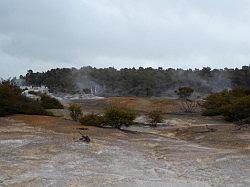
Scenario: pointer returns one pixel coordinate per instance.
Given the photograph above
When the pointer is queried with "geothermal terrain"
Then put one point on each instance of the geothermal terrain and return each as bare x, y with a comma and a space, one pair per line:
46, 151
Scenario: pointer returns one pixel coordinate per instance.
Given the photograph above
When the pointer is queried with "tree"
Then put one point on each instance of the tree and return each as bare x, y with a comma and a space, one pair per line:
238, 110
234, 105
155, 117
138, 82
75, 111
206, 72
187, 105
117, 117
184, 92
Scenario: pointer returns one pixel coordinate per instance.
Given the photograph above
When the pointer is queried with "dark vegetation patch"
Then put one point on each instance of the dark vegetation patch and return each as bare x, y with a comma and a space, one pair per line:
138, 82
75, 112
188, 105
92, 120
184, 92
155, 117
234, 105
13, 102
113, 117
50, 102
117, 117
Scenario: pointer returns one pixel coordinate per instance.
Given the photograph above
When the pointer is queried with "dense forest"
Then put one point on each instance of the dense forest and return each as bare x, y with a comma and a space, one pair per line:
138, 82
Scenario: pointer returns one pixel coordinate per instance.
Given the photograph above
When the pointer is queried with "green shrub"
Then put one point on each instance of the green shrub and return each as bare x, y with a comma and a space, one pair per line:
116, 117
50, 102
13, 102
238, 110
75, 112
92, 119
240, 92
184, 92
32, 108
155, 117
216, 102
234, 105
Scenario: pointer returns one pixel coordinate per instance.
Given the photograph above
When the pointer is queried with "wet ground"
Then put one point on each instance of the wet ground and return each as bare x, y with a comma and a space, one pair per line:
44, 151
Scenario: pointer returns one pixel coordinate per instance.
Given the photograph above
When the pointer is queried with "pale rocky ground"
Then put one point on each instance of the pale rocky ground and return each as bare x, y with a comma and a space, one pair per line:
43, 151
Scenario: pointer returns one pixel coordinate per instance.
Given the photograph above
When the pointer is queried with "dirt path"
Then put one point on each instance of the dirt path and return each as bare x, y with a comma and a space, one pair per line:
41, 151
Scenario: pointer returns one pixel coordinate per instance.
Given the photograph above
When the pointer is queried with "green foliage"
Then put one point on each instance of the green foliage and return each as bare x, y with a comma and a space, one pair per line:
117, 117
92, 120
32, 108
50, 102
238, 110
187, 105
57, 80
215, 102
114, 117
138, 82
184, 92
13, 102
155, 117
75, 112
233, 104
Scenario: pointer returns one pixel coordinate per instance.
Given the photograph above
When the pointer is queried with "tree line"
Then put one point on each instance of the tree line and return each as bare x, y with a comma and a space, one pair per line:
138, 82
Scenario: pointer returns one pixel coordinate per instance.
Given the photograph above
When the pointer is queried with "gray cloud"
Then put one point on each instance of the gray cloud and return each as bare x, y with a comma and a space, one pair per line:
43, 34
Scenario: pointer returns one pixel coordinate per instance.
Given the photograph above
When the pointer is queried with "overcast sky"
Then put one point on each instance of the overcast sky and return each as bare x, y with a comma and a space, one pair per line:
44, 34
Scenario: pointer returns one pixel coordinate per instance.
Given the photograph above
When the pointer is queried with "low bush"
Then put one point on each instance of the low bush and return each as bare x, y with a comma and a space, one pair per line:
50, 102
215, 102
112, 117
117, 117
75, 112
238, 110
13, 102
234, 105
155, 117
32, 108
92, 120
